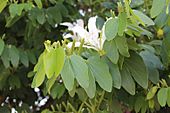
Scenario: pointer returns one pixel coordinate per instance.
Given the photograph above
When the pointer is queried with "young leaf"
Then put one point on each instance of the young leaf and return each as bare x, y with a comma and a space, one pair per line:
111, 51
127, 81
38, 3
122, 46
3, 4
122, 23
50, 83
67, 75
80, 70
53, 61
14, 56
157, 7
100, 70
2, 45
111, 28
168, 97
146, 20
40, 73
162, 96
152, 92
49, 60
137, 69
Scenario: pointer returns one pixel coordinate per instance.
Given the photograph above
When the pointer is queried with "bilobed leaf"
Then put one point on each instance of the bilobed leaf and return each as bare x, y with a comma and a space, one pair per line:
111, 51
168, 97
57, 90
53, 15
31, 57
114, 70
40, 16
53, 61
50, 82
157, 7
14, 81
146, 20
67, 75
2, 45
127, 81
122, 23
80, 70
139, 103
49, 63
14, 56
122, 46
38, 3
60, 56
16, 9
111, 28
24, 58
100, 70
91, 90
162, 96
152, 92
40, 73
3, 4
5, 57
137, 69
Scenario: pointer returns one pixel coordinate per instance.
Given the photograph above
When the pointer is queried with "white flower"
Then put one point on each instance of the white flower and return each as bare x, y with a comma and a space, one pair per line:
90, 36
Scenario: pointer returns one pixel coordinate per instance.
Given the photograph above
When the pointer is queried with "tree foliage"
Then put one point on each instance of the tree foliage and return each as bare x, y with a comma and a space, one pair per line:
69, 56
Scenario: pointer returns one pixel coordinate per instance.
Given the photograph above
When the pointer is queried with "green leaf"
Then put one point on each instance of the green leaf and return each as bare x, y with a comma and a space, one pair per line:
57, 91
122, 46
151, 92
24, 58
38, 3
139, 103
122, 23
50, 83
137, 69
81, 94
5, 57
53, 61
14, 56
53, 15
91, 90
100, 70
16, 9
3, 4
114, 70
146, 20
157, 7
67, 75
2, 45
111, 51
111, 28
162, 96
40, 73
168, 97
80, 70
14, 81
40, 16
127, 81
31, 57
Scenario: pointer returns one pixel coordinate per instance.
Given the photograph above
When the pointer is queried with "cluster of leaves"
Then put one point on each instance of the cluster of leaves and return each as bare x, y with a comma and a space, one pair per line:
128, 72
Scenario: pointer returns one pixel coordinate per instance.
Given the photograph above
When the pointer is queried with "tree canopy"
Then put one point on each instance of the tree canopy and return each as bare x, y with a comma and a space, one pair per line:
84, 56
